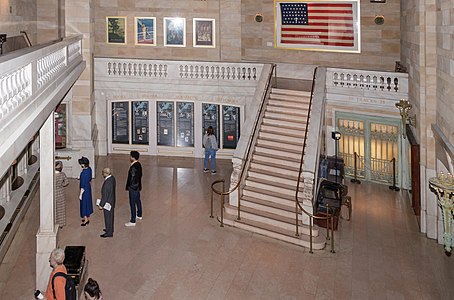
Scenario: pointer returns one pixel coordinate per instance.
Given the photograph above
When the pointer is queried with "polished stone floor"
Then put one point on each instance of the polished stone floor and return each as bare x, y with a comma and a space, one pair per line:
178, 252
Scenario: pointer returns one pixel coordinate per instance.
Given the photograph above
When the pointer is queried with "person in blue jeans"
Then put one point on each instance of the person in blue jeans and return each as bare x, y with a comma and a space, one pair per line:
134, 186
211, 146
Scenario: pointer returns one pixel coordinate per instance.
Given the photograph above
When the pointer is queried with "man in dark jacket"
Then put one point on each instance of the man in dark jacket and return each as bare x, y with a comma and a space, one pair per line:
134, 186
107, 202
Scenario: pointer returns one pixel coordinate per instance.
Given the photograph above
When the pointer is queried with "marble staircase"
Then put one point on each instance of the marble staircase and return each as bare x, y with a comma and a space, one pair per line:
268, 197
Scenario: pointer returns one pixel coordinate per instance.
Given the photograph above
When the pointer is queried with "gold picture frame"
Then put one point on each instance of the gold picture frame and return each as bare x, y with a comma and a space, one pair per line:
116, 30
145, 31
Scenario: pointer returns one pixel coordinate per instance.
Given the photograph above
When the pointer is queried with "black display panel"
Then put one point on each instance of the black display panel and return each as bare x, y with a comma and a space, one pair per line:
140, 130
185, 124
231, 126
210, 117
165, 116
120, 122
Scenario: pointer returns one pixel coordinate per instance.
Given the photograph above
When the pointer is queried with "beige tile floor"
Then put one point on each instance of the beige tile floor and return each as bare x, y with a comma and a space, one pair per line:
177, 252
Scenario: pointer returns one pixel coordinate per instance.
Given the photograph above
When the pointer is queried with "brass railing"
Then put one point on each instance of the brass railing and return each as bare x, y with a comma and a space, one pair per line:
329, 217
250, 143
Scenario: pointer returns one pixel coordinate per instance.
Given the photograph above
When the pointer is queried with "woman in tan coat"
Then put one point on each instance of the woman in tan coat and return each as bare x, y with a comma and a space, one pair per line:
60, 204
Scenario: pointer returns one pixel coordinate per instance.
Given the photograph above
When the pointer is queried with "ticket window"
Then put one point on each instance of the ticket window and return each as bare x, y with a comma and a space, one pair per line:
60, 115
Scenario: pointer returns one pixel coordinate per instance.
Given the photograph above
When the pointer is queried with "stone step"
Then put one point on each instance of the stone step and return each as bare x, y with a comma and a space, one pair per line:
273, 151
286, 117
272, 176
295, 124
270, 186
318, 242
294, 111
271, 197
269, 206
290, 98
290, 104
281, 137
267, 166
277, 161
290, 92
279, 144
280, 130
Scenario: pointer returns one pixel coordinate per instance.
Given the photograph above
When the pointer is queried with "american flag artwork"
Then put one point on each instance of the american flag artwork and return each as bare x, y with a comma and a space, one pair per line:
318, 25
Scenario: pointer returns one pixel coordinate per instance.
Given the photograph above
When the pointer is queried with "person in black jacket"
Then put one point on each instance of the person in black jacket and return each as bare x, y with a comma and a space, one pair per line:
107, 202
134, 186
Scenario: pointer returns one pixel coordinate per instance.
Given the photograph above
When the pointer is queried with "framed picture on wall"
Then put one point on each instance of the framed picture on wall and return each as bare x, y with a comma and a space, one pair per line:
116, 30
175, 32
145, 31
203, 33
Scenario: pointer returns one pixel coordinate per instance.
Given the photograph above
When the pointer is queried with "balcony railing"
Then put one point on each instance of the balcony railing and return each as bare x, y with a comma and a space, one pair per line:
25, 73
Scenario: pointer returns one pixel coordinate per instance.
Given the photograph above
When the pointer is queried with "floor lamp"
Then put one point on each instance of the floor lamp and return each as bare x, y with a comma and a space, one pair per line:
336, 136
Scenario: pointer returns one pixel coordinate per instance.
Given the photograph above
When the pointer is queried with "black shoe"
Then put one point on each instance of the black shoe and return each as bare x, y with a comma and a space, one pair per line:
105, 236
85, 224
104, 230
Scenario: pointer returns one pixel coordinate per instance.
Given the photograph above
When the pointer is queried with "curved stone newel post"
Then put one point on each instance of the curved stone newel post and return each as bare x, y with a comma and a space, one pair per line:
443, 187
237, 162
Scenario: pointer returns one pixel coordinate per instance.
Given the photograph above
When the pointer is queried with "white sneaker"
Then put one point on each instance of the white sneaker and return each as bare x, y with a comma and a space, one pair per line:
130, 224
139, 218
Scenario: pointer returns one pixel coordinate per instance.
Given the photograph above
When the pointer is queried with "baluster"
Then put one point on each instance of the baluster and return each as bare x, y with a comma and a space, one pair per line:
368, 82
228, 72
217, 72
249, 73
129, 69
396, 82
196, 71
160, 70
349, 77
207, 72
335, 79
388, 81
355, 80
342, 79
134, 66
186, 68
191, 71
222, 72
254, 70
233, 73
108, 68
201, 72
145, 66
155, 70
165, 70
361, 81
212, 72
382, 83
181, 71
243, 70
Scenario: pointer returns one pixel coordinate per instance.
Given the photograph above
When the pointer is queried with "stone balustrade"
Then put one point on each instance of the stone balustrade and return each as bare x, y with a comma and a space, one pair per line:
178, 70
385, 82
28, 72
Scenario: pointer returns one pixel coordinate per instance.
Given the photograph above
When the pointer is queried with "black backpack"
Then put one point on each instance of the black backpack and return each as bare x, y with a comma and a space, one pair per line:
70, 287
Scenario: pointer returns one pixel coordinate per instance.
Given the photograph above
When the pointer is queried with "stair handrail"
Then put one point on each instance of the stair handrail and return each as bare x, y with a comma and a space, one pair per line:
247, 156
329, 216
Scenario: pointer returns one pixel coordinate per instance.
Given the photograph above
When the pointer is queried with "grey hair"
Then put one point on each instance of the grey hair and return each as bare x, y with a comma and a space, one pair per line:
58, 255
107, 171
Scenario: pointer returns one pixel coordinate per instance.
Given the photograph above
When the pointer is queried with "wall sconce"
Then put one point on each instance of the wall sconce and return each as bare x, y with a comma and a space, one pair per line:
404, 106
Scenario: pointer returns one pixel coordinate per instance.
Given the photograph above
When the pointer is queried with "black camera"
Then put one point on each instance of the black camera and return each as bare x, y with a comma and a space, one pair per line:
2, 38
39, 295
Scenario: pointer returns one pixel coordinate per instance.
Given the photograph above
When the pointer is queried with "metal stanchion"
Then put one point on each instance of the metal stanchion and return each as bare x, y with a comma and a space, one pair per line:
355, 180
394, 187
211, 215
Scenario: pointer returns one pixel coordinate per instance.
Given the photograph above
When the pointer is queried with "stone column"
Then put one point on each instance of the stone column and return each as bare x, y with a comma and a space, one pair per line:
46, 238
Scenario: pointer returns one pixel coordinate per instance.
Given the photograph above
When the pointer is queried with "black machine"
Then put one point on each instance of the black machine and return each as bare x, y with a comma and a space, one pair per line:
75, 263
333, 195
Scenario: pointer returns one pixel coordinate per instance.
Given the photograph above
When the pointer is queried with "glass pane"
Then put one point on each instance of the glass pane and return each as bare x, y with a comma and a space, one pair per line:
351, 142
60, 126
185, 124
210, 117
120, 122
231, 126
383, 149
140, 122
165, 116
